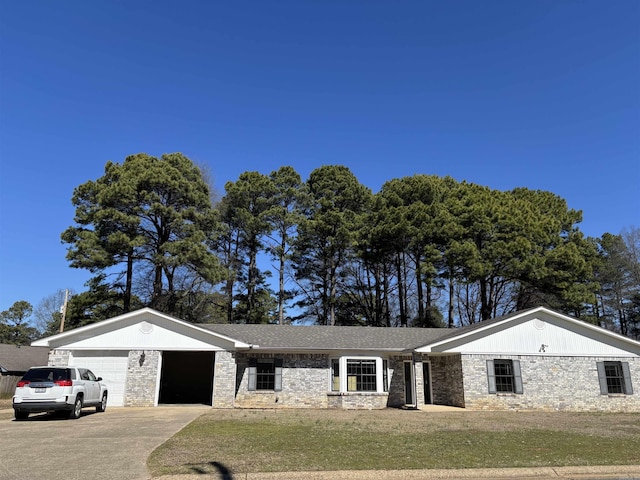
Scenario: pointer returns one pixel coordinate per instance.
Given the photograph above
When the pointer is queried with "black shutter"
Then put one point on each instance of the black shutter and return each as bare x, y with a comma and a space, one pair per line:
602, 378
628, 388
278, 374
517, 376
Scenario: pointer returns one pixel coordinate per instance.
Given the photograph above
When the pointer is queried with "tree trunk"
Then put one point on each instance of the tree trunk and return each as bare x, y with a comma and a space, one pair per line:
401, 291
281, 284
128, 282
451, 293
157, 286
485, 308
421, 316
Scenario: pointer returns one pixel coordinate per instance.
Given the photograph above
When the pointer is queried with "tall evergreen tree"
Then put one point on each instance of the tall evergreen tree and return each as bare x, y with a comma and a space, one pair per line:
284, 215
325, 242
618, 285
147, 210
247, 206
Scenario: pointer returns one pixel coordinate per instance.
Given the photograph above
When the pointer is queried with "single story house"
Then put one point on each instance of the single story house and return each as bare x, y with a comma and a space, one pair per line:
536, 359
15, 360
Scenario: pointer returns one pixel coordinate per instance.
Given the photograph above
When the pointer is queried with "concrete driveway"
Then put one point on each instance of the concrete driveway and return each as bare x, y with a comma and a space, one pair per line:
97, 446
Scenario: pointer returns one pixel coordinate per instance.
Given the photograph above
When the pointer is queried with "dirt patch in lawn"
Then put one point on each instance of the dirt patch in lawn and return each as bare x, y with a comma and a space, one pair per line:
286, 440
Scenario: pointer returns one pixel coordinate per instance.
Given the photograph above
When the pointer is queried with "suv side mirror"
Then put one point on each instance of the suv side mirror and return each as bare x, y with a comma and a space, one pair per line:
99, 379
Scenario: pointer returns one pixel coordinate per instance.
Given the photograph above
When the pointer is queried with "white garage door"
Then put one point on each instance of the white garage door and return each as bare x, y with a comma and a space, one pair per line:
111, 366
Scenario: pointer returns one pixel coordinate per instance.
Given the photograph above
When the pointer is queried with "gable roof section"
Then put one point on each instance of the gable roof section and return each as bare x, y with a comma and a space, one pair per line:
526, 332
535, 331
15, 358
141, 329
319, 337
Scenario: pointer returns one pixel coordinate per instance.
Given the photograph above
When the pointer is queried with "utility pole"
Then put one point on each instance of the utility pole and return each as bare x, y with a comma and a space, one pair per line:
64, 310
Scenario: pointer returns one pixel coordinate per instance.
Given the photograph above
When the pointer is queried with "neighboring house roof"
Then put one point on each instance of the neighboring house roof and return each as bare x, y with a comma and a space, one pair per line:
14, 358
315, 337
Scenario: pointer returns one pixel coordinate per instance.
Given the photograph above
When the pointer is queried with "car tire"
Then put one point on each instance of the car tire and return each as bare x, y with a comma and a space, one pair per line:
21, 415
102, 406
77, 408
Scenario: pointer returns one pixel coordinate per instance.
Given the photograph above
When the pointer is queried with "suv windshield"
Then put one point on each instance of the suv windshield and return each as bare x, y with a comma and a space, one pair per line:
47, 374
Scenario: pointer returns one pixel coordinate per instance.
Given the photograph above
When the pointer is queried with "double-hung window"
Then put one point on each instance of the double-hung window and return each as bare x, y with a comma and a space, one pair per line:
265, 374
353, 374
504, 376
614, 378
361, 375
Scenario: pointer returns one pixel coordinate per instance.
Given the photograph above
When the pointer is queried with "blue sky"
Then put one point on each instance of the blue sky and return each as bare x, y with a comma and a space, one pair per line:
541, 94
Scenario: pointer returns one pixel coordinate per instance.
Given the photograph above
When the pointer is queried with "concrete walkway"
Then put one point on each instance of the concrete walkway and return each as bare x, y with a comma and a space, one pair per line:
542, 473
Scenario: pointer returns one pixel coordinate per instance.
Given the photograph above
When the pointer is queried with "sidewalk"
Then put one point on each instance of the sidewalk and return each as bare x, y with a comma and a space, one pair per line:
620, 472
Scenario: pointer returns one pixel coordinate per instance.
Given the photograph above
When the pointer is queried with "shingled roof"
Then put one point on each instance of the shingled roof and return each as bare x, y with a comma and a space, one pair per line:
315, 337
14, 358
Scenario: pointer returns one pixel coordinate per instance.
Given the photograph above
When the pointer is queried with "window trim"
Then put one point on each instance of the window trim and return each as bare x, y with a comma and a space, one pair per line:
335, 374
516, 376
381, 375
252, 376
625, 377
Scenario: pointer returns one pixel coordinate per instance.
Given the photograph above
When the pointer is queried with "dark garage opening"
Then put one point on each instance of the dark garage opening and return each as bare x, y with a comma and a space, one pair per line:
186, 377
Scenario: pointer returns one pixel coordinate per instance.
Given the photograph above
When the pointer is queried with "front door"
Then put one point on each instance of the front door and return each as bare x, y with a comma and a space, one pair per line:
409, 398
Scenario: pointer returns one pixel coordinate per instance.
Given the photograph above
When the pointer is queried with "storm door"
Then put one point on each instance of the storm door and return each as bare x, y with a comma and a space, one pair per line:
426, 373
409, 392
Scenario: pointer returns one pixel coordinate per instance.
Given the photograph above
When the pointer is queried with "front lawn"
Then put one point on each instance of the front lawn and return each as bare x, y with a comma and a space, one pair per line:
297, 440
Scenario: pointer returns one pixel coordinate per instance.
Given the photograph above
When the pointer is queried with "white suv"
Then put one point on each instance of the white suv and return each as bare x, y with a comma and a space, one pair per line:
58, 389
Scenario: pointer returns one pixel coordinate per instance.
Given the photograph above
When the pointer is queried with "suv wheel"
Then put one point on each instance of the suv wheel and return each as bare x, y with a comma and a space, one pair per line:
103, 403
77, 408
21, 415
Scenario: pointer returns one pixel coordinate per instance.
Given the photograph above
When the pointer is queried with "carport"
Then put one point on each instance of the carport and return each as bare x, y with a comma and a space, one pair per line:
186, 377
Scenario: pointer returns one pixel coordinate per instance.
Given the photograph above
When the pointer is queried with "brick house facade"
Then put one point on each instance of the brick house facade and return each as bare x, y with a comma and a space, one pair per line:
532, 360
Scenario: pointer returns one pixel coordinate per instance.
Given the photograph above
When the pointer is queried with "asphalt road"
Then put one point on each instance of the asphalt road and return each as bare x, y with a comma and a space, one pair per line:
113, 445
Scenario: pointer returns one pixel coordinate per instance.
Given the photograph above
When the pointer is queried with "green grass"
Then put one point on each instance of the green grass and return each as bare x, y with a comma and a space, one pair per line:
266, 441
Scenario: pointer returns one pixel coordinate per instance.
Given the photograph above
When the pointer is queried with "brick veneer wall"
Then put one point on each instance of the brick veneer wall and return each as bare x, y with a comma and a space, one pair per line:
305, 383
224, 380
446, 380
549, 383
396, 381
141, 382
357, 400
